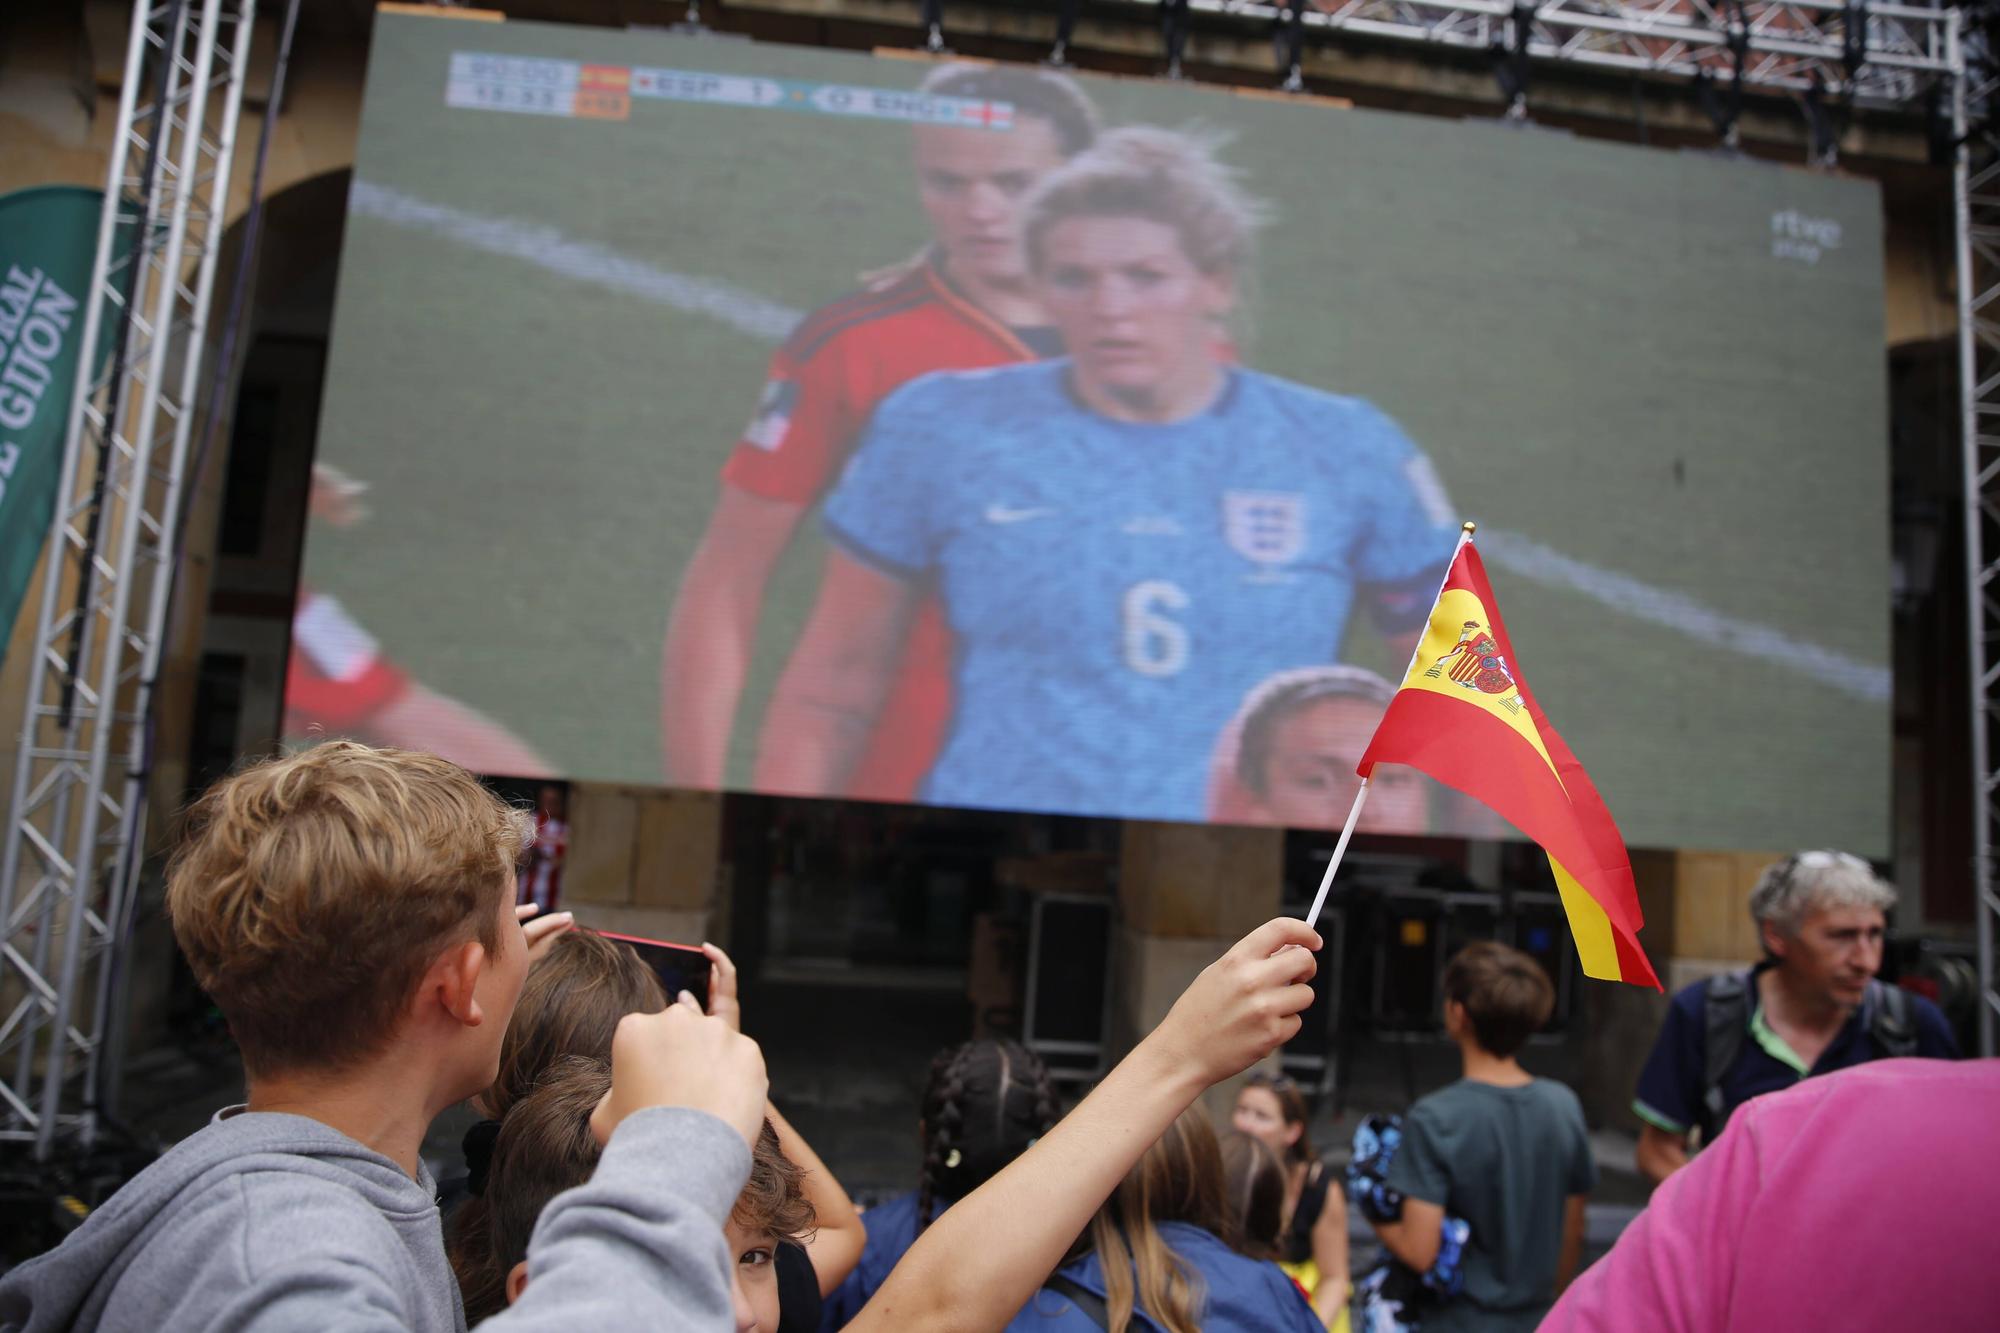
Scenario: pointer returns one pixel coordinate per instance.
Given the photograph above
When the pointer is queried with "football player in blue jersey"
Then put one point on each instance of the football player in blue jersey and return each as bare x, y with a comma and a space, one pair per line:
1125, 540
1289, 755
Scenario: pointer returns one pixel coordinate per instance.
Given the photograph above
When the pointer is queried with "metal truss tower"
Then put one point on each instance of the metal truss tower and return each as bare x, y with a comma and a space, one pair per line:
1786, 44
1978, 203
75, 828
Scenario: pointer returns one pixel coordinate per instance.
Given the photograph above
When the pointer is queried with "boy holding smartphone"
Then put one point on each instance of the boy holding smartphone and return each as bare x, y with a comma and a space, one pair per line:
351, 911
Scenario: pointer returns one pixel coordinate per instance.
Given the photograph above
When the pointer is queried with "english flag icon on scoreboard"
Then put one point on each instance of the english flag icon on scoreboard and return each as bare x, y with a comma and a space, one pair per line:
987, 115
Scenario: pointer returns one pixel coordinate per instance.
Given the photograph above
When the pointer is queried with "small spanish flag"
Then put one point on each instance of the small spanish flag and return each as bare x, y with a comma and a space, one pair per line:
1465, 716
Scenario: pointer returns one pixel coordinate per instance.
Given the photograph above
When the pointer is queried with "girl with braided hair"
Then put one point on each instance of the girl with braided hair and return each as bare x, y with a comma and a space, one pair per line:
985, 1103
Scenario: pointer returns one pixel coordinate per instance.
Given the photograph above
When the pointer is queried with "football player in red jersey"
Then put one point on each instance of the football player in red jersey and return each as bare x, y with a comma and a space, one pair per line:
338, 682
963, 305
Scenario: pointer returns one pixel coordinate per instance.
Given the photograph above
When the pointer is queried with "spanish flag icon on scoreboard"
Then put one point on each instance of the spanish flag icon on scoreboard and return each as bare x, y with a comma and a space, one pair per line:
1465, 716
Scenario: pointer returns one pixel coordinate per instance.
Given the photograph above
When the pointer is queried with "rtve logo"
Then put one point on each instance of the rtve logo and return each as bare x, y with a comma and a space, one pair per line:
1805, 239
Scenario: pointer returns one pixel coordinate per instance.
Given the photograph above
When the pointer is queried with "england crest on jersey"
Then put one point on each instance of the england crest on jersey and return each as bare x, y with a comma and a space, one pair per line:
1268, 527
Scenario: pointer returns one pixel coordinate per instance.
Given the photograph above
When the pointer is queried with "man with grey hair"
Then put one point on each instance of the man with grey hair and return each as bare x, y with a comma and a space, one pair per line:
1812, 1006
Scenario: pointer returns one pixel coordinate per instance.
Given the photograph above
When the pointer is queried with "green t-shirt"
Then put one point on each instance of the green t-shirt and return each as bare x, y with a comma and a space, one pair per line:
1505, 1160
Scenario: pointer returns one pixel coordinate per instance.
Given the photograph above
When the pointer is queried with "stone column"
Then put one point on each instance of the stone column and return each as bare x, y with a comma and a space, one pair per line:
1186, 892
644, 862
1697, 924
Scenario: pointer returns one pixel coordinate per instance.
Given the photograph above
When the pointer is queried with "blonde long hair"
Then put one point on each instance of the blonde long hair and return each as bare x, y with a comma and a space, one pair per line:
1178, 1180
1173, 177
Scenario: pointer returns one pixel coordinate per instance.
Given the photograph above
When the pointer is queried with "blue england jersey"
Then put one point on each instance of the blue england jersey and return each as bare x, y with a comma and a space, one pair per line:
1116, 588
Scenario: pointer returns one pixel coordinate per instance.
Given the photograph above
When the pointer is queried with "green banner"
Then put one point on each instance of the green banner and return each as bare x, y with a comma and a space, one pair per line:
48, 237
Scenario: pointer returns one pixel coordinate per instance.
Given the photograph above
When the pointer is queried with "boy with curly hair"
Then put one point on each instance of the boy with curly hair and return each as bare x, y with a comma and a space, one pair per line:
545, 1147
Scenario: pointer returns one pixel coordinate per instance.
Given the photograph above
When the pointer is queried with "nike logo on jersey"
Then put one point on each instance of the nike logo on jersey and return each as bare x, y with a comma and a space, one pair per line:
997, 513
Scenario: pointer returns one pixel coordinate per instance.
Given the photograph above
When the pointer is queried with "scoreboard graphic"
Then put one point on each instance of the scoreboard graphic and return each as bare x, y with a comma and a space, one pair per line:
538, 87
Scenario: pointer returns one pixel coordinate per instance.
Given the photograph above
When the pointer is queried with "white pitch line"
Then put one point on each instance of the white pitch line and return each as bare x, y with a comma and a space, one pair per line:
548, 248
770, 321
1676, 611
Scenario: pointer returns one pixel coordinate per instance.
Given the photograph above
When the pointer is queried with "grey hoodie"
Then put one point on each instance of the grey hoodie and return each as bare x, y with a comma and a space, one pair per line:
267, 1221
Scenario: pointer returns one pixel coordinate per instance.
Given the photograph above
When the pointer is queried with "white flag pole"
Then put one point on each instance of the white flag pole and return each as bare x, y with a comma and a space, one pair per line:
1339, 850
1361, 795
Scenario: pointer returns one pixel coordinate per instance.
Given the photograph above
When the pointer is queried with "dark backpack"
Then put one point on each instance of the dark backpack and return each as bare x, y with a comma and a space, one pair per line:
1726, 1011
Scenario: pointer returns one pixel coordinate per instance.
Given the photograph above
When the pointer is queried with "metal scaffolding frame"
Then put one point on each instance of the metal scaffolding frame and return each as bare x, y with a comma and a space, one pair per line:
76, 825
1977, 200
1787, 44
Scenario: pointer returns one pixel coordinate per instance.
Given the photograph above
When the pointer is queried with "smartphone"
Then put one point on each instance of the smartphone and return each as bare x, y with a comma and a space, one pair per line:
680, 967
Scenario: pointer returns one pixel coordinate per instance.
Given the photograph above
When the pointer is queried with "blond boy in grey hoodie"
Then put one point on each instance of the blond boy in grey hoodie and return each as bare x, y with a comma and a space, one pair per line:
351, 912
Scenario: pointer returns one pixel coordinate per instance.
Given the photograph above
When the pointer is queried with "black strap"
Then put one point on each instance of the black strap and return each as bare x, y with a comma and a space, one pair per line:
1892, 1025
1082, 1297
1892, 1020
1726, 1018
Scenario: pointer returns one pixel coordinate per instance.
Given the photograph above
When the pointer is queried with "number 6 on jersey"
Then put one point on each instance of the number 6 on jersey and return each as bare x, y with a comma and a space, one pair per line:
1155, 644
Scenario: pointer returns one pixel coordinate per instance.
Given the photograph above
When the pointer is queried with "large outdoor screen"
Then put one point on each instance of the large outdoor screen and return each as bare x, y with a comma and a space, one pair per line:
726, 415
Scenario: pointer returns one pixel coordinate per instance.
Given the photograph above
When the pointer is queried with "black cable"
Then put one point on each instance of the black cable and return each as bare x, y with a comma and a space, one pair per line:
253, 226
1739, 58
1173, 33
1510, 58
1291, 37
1066, 15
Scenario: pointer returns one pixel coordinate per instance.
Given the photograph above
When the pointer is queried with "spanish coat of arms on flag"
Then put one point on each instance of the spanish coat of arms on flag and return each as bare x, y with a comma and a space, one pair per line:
1465, 715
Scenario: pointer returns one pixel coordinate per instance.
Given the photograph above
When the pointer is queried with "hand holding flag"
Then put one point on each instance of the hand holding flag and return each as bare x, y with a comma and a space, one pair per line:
1465, 715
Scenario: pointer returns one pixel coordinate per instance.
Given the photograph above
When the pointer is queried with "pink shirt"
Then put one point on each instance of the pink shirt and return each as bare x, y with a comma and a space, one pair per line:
1866, 1198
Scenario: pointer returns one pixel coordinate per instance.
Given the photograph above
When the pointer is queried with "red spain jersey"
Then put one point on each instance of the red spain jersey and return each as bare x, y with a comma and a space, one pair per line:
336, 677
824, 384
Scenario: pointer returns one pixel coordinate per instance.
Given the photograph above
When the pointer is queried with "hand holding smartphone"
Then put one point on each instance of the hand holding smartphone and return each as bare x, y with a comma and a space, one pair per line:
680, 967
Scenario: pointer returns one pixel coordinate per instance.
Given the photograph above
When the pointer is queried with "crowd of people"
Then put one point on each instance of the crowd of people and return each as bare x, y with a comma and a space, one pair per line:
352, 911
1083, 557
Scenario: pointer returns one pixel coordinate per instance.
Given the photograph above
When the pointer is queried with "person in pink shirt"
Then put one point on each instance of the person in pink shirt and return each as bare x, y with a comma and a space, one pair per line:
1866, 1198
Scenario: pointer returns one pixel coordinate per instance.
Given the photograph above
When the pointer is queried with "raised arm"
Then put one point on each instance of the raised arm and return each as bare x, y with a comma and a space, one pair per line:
833, 688
712, 632
838, 1235
640, 1246
979, 1263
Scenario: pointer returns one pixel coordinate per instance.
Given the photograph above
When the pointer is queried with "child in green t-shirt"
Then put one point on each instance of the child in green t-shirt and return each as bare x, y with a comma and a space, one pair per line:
1500, 1148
